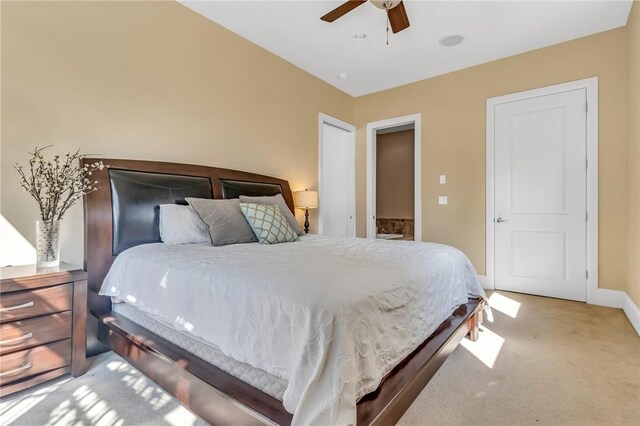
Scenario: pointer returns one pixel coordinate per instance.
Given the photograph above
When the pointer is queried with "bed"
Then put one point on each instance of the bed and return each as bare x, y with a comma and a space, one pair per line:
337, 331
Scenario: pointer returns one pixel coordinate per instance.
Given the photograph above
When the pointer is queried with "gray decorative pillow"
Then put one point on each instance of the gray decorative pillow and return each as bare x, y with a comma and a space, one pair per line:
268, 223
276, 200
182, 225
225, 220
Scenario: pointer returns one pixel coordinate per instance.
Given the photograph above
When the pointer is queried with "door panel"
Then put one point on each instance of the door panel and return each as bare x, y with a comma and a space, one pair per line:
540, 195
337, 198
537, 162
538, 254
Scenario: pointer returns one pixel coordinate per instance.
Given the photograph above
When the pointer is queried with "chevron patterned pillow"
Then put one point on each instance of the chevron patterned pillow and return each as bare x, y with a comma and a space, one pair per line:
268, 223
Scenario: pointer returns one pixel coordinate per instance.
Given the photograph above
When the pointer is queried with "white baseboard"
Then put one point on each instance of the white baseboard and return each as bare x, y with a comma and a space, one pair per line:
632, 311
484, 282
606, 297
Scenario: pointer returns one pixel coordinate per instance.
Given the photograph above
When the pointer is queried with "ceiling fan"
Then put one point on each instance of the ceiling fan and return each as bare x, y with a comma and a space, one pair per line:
396, 12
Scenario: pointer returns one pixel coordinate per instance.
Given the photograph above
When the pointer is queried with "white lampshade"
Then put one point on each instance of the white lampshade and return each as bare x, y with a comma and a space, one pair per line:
305, 199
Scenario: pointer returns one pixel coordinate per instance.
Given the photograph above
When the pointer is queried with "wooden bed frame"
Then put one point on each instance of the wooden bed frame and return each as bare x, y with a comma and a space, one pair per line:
211, 393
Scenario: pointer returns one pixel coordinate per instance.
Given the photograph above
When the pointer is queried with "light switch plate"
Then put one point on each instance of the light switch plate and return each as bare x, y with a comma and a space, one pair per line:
442, 200
443, 179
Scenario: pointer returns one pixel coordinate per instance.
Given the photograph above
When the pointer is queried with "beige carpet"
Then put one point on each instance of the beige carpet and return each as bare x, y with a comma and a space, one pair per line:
538, 361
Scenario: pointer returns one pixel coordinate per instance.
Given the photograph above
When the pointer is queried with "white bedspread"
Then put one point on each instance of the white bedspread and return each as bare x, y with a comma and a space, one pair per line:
332, 316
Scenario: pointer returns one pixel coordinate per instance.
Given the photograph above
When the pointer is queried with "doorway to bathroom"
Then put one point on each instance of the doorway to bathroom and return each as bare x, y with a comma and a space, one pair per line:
393, 179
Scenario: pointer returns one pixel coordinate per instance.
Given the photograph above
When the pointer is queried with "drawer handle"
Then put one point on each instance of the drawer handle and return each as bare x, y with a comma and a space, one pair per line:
17, 370
17, 339
13, 308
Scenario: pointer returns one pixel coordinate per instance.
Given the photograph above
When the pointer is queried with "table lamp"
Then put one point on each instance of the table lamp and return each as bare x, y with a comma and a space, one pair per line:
306, 200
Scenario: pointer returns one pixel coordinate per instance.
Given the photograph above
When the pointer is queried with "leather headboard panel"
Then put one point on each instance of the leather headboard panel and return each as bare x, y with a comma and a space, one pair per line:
136, 197
236, 188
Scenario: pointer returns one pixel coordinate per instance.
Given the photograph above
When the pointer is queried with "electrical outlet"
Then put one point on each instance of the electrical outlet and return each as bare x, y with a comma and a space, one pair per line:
443, 179
442, 200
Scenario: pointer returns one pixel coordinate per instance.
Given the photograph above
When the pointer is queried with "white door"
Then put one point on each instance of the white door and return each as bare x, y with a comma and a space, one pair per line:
337, 181
540, 195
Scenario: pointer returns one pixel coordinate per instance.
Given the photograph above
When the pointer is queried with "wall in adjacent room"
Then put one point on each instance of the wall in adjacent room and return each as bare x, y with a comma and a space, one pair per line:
146, 80
453, 140
394, 175
633, 154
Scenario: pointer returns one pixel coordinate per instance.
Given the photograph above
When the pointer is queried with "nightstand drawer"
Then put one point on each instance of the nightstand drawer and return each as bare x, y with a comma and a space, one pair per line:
18, 365
30, 303
18, 335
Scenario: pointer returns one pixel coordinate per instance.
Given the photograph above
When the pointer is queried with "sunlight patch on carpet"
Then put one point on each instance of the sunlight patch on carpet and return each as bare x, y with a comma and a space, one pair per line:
118, 366
14, 410
504, 304
95, 408
180, 417
486, 348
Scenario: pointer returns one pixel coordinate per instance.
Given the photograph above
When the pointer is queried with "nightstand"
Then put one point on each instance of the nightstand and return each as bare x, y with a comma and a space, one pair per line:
43, 313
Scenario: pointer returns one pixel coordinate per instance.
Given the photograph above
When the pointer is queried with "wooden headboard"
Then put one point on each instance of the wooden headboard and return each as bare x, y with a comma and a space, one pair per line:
99, 245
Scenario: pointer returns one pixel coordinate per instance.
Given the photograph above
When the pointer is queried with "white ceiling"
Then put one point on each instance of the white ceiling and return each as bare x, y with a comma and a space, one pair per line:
492, 30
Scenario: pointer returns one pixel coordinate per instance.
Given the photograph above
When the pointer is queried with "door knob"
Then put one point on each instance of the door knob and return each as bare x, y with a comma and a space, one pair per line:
501, 220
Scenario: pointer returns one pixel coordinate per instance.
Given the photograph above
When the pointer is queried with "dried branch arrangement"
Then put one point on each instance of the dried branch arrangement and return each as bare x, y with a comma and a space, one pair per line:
57, 184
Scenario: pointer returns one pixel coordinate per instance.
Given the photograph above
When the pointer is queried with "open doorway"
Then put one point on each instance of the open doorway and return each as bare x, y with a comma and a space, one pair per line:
393, 179
394, 183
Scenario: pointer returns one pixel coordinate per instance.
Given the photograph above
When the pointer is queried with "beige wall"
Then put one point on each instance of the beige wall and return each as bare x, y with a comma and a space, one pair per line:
157, 81
453, 140
149, 81
394, 175
633, 153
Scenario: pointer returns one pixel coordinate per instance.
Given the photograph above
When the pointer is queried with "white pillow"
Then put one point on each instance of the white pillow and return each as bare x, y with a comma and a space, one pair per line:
182, 225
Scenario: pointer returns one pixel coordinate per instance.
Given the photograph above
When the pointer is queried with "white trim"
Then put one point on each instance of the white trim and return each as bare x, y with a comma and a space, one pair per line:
594, 295
372, 128
402, 128
490, 196
484, 283
606, 297
327, 119
632, 311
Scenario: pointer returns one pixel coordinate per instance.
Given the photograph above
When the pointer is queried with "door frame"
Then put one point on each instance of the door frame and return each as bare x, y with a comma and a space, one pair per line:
594, 295
332, 121
372, 128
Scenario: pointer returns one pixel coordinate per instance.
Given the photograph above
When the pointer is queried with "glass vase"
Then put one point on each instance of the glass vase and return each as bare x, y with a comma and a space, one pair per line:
48, 243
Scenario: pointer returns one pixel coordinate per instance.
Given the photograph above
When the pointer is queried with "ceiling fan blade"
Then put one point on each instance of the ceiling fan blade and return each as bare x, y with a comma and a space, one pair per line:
343, 9
398, 18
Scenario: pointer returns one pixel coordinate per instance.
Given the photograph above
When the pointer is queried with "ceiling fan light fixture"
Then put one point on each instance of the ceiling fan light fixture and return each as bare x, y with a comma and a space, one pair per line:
396, 13
385, 4
452, 40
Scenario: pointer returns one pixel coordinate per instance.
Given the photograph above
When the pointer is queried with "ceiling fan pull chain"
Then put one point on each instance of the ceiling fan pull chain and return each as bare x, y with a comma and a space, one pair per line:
387, 9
